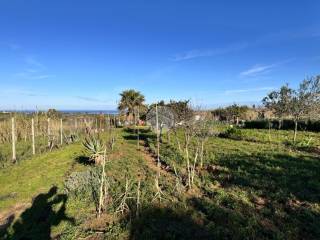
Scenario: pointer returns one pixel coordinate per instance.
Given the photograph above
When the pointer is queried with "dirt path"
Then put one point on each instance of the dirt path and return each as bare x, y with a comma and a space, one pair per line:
152, 162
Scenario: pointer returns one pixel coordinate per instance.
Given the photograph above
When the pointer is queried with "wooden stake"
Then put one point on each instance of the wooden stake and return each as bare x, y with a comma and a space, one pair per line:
61, 132
138, 200
138, 128
158, 140
49, 127
13, 132
32, 135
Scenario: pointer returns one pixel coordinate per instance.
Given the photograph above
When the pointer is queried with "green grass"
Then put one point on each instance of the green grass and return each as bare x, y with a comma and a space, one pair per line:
254, 188
21, 182
23, 150
260, 188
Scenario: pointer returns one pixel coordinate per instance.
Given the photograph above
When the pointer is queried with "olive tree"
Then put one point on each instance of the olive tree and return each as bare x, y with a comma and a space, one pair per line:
298, 104
305, 101
279, 102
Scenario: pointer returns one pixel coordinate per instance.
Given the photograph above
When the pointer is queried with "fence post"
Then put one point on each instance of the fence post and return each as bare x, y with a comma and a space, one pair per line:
138, 128
32, 135
158, 140
75, 124
48, 127
13, 132
61, 132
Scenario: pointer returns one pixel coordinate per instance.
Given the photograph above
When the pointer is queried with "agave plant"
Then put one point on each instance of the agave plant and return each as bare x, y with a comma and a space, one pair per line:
95, 148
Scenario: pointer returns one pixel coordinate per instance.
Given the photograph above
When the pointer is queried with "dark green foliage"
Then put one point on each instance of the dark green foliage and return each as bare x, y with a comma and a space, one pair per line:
230, 113
130, 101
287, 124
181, 109
232, 133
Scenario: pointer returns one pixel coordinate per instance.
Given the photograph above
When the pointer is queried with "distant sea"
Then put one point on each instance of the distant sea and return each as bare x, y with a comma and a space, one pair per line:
113, 112
90, 111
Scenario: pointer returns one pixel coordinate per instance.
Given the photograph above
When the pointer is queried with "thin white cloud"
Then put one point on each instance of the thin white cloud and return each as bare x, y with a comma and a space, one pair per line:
14, 46
208, 52
281, 36
90, 99
34, 63
260, 69
32, 76
42, 76
20, 92
235, 91
257, 69
34, 70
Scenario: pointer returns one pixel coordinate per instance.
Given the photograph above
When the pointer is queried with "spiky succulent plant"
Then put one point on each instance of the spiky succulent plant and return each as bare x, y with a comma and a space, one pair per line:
94, 148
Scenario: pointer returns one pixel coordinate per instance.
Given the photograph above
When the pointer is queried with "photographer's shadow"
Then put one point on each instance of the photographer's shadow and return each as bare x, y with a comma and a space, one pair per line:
36, 221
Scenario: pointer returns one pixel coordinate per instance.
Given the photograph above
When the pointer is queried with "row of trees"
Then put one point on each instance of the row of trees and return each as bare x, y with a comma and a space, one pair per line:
296, 104
132, 103
231, 113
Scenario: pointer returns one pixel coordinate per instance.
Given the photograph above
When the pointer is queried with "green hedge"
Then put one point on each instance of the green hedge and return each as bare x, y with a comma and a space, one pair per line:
287, 124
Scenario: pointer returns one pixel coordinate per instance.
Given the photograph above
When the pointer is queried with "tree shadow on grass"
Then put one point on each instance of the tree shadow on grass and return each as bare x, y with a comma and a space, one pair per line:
84, 160
273, 175
282, 188
144, 134
133, 130
167, 223
36, 221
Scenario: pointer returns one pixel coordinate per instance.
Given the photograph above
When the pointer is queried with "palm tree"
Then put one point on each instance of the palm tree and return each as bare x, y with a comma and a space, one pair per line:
130, 101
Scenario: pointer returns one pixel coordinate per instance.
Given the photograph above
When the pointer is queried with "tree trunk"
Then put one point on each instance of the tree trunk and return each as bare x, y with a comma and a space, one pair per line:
269, 123
138, 133
188, 166
201, 153
280, 122
295, 130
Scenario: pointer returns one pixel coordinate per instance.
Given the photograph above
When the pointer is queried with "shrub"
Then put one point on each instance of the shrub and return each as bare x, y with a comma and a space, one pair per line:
305, 143
232, 133
94, 148
287, 124
84, 184
259, 124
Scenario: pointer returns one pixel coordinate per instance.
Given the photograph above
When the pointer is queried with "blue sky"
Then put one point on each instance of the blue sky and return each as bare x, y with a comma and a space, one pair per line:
81, 54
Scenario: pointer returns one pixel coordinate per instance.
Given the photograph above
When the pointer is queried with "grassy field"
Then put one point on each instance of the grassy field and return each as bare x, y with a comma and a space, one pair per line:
23, 150
258, 187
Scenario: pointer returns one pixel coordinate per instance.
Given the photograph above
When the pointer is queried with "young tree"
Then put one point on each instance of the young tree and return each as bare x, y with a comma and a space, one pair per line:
279, 102
305, 101
130, 101
297, 104
232, 112
53, 113
182, 110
